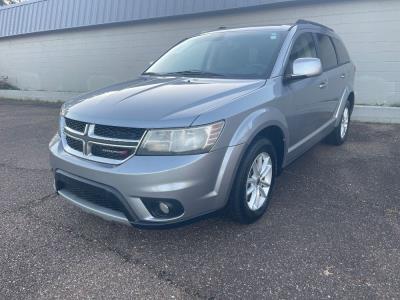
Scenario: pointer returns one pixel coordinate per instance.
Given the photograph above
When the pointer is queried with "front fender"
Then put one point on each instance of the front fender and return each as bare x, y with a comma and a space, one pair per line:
258, 120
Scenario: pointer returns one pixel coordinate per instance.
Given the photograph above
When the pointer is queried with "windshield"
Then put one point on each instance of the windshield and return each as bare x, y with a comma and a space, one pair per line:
238, 54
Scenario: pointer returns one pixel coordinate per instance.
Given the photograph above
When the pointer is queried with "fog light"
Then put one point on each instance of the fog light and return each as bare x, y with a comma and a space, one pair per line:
164, 208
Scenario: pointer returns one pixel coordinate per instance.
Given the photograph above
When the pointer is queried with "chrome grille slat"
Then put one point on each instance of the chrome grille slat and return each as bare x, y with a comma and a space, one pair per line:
108, 140
118, 133
122, 145
106, 149
75, 126
74, 143
73, 132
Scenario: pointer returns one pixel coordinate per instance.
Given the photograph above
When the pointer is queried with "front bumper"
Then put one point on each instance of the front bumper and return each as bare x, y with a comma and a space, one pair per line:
200, 183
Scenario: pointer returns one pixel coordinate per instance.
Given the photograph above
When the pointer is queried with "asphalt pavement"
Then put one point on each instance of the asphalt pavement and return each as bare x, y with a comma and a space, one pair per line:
332, 230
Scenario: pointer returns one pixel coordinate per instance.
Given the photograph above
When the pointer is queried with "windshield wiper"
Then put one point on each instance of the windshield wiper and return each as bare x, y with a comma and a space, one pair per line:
153, 73
193, 73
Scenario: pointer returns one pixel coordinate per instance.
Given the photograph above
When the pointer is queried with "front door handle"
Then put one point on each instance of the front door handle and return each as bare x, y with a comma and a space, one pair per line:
343, 76
323, 84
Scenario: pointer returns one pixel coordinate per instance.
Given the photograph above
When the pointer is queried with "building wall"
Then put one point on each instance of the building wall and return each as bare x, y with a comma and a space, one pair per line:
31, 16
85, 59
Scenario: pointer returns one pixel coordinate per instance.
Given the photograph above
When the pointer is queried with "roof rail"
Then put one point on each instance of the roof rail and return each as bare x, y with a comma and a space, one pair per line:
301, 21
213, 30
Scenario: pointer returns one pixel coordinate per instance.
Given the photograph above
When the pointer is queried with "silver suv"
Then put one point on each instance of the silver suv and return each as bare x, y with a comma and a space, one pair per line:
207, 126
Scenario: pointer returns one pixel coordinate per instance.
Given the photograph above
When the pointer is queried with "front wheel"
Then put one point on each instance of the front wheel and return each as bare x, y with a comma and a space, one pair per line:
254, 182
339, 135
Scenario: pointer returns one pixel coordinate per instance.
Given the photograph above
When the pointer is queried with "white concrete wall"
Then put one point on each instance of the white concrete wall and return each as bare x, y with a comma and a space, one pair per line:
77, 61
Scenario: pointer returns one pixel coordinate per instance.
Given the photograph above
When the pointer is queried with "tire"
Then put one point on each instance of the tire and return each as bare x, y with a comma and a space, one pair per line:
339, 135
245, 208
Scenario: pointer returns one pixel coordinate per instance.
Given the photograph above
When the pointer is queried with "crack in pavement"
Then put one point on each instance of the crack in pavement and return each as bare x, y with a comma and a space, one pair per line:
159, 274
126, 257
30, 204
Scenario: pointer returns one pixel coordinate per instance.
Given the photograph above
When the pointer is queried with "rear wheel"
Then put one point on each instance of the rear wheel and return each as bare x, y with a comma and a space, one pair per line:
254, 182
339, 135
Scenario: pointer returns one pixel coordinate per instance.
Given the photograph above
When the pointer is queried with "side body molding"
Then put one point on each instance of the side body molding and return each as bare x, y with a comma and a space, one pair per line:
341, 105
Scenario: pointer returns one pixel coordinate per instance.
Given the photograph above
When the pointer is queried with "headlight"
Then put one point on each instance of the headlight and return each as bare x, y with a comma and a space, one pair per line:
192, 140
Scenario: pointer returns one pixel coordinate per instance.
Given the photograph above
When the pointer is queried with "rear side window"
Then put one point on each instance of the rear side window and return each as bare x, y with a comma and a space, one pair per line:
326, 51
303, 47
341, 51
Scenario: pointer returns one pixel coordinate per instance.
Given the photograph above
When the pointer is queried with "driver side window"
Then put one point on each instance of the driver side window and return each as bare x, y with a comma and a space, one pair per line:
303, 47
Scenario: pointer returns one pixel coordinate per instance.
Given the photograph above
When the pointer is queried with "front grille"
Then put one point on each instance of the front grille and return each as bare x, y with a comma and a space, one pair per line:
111, 152
90, 193
75, 125
74, 143
114, 132
102, 143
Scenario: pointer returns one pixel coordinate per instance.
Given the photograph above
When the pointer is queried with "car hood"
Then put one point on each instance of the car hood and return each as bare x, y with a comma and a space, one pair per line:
157, 102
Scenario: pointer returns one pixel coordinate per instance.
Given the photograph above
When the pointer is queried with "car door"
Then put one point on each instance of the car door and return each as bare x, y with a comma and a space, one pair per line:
306, 95
335, 75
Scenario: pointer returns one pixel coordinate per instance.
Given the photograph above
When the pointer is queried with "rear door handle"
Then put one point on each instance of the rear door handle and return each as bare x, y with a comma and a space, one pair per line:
343, 76
323, 84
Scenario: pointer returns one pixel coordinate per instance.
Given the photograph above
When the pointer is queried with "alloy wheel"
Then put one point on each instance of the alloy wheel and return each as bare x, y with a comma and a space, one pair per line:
259, 181
345, 123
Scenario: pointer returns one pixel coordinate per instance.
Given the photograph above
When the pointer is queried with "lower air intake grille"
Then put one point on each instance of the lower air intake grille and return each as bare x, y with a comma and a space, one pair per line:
89, 193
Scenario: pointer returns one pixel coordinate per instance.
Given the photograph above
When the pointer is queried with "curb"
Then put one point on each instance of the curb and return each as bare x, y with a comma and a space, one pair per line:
376, 114
42, 96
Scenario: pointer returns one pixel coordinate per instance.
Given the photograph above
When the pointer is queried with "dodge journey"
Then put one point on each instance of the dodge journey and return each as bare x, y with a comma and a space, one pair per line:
208, 126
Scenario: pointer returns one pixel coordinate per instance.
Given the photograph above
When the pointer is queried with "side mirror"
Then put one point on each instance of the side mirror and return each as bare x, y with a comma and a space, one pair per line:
306, 67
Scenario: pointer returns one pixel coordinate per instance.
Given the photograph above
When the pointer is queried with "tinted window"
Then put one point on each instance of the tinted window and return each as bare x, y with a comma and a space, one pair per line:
303, 47
241, 54
327, 51
341, 51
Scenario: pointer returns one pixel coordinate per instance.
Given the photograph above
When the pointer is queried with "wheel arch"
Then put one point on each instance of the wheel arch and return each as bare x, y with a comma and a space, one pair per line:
351, 99
273, 131
268, 123
275, 134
